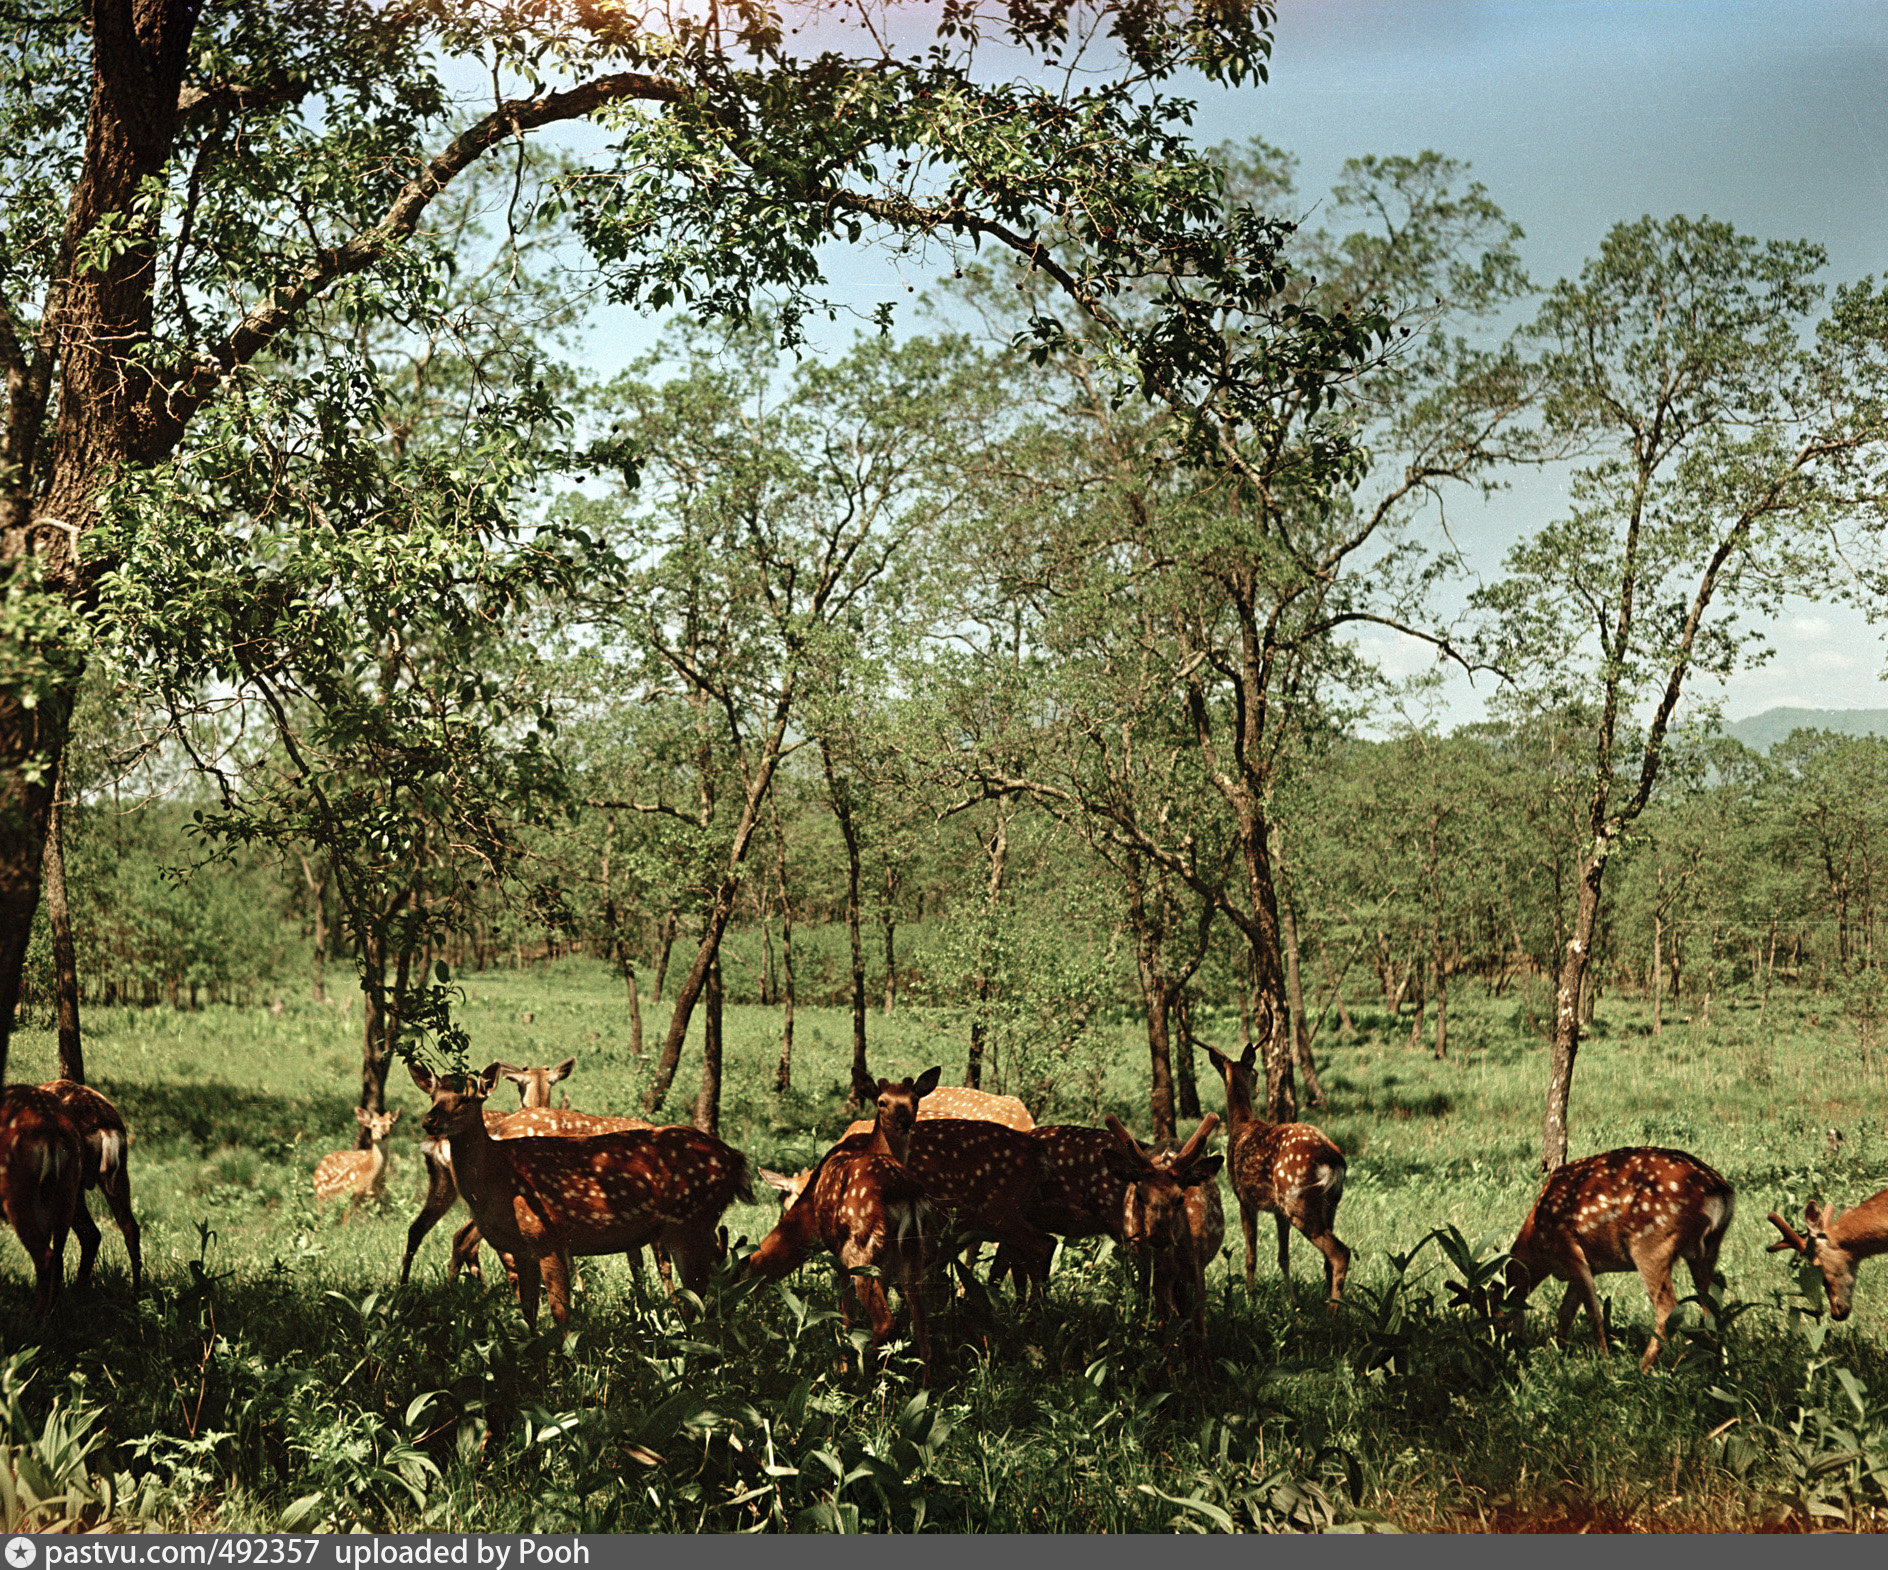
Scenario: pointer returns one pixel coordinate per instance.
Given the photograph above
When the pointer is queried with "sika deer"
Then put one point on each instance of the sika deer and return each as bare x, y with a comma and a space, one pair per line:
41, 1163
864, 1205
105, 1144
1290, 1169
357, 1172
1638, 1208
1836, 1242
543, 1200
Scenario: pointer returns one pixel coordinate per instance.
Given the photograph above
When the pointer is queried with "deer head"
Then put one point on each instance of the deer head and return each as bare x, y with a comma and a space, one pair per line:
378, 1124
1817, 1248
1154, 1208
898, 1110
458, 1100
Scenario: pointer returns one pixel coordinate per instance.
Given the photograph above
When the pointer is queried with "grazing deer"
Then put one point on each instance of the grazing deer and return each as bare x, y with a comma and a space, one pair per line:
1290, 1169
1836, 1242
1168, 1219
41, 1162
1639, 1209
357, 1172
541, 1201
972, 1106
863, 1204
106, 1142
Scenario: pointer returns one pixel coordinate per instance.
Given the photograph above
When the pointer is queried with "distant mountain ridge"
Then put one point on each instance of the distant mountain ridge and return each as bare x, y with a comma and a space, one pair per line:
1763, 731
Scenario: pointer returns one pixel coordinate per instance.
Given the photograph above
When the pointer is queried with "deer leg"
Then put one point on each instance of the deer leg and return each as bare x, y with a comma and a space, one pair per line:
441, 1192
1249, 1224
1655, 1270
528, 1279
117, 1192
87, 1228
1284, 1247
556, 1270
692, 1247
1587, 1293
465, 1253
911, 1284
1336, 1263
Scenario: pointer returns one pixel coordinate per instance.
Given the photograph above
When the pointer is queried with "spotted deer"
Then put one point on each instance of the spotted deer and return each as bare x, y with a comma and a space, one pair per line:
105, 1143
1638, 1208
1836, 1242
862, 1203
1166, 1219
541, 1200
41, 1166
358, 1173
1289, 1169
535, 1118
972, 1106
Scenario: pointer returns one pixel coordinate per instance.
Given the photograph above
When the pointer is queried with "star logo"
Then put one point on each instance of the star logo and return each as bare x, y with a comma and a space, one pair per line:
21, 1552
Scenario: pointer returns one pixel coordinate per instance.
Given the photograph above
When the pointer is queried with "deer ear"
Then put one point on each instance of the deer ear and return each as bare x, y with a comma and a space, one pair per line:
926, 1082
1203, 1170
1251, 1052
362, 1117
777, 1180
1129, 1165
395, 1118
422, 1077
562, 1071
1813, 1213
482, 1082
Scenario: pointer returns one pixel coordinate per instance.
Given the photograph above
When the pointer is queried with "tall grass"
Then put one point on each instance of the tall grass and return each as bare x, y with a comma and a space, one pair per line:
273, 1373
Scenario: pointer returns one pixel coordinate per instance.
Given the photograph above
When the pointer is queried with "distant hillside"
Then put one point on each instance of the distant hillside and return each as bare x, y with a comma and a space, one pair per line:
1763, 731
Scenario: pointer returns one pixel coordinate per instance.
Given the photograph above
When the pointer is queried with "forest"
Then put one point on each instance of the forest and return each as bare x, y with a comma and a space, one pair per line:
993, 679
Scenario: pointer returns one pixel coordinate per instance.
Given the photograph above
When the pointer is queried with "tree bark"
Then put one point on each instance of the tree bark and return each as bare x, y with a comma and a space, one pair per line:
64, 953
1156, 999
1186, 1085
889, 921
635, 1006
663, 950
1294, 981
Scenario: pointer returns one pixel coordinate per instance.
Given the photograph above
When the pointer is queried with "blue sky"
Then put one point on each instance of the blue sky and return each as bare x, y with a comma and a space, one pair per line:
1578, 114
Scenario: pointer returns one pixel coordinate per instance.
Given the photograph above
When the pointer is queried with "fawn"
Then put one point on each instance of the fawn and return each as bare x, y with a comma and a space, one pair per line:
105, 1143
1836, 1242
1165, 1222
358, 1173
1638, 1208
41, 1162
1290, 1169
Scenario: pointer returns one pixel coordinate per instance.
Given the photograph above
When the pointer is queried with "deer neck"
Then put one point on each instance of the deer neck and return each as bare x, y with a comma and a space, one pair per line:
376, 1163
476, 1159
885, 1143
1862, 1233
784, 1250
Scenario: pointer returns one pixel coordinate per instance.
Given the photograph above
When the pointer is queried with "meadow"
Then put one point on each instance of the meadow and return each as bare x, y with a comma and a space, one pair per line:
274, 1374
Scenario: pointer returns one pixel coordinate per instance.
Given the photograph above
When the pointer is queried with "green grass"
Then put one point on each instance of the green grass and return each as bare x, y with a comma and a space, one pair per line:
279, 1369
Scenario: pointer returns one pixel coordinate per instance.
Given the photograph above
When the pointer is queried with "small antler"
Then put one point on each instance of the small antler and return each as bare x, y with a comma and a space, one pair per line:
1791, 1237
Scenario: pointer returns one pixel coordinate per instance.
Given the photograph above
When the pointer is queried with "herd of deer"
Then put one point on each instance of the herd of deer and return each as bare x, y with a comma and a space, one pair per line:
545, 1184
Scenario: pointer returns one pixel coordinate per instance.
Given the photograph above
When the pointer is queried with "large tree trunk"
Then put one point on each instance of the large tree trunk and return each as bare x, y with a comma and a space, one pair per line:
1186, 1086
32, 743
1567, 1009
65, 960
708, 1102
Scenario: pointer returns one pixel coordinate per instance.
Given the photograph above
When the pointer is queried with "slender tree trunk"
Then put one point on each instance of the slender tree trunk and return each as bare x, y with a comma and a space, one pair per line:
1769, 963
864, 1087
1566, 1046
1336, 981
1297, 1023
1421, 999
889, 921
765, 912
318, 906
65, 961
783, 1070
635, 1005
708, 1102
996, 850
663, 950
1156, 998
1658, 961
1186, 1086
